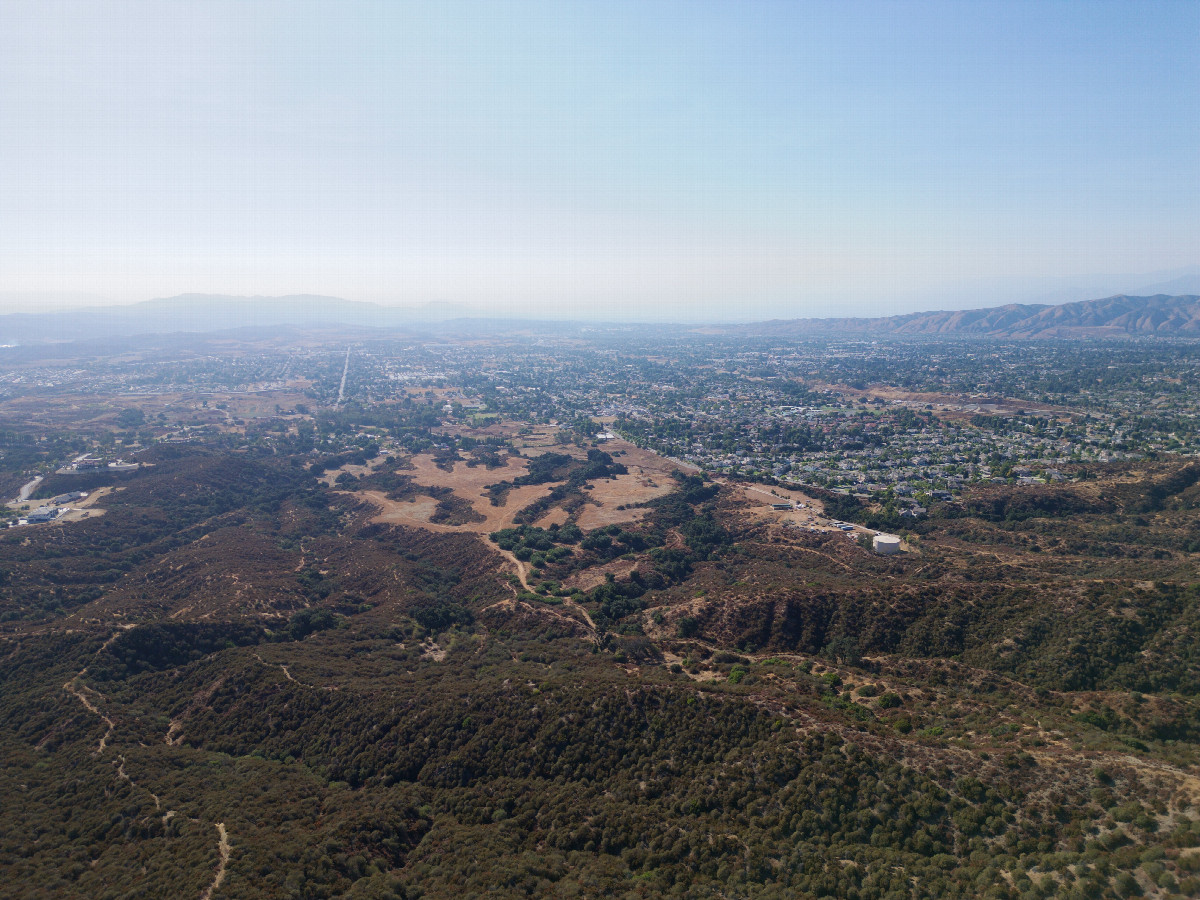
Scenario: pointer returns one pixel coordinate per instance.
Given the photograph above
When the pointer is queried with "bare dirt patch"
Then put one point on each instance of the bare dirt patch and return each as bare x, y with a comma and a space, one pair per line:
431, 650
77, 515
86, 508
468, 484
406, 512
758, 508
762, 495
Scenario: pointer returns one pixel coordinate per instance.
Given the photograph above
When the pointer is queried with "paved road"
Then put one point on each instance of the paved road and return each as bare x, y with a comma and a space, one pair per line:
28, 489
345, 370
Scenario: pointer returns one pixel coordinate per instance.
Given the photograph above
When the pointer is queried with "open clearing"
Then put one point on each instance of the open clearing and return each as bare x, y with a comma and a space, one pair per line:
329, 479
468, 483
649, 477
611, 494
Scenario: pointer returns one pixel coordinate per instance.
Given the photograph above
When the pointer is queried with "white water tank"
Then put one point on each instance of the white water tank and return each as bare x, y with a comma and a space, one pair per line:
886, 544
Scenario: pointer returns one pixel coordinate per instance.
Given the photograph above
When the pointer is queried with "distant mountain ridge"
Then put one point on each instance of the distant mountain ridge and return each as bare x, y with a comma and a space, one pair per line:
1119, 316
1122, 315
213, 312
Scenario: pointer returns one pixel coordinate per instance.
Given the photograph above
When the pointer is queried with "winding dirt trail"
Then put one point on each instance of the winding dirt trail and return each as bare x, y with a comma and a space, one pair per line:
568, 602
287, 673
511, 557
173, 738
572, 604
223, 849
125, 777
78, 693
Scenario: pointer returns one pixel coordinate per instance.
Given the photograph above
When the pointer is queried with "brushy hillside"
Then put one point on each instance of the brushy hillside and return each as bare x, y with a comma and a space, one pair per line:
234, 682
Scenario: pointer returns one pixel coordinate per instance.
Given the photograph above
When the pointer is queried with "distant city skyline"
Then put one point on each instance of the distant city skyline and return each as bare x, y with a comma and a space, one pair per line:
668, 161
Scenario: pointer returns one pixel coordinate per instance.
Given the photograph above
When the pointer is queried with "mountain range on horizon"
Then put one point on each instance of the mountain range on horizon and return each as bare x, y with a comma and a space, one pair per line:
205, 313
1160, 315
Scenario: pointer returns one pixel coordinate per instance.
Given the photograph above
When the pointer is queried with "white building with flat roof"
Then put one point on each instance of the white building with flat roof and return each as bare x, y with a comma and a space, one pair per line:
886, 544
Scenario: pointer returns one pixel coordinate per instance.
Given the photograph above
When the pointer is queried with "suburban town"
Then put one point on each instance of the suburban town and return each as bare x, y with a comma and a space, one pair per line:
819, 414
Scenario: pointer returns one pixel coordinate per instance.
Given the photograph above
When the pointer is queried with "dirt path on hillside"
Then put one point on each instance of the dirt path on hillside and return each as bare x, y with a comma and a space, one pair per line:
572, 604
76, 690
222, 848
568, 602
511, 557
80, 692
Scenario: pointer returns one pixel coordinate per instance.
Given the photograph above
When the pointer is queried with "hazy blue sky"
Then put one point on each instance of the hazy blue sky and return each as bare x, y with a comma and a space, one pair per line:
685, 159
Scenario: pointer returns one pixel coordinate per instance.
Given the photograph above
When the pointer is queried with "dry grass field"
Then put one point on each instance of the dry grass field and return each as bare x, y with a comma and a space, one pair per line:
610, 501
609, 496
330, 477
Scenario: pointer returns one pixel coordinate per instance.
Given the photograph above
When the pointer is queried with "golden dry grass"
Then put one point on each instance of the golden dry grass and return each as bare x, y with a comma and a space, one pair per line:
610, 494
648, 478
330, 477
467, 483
